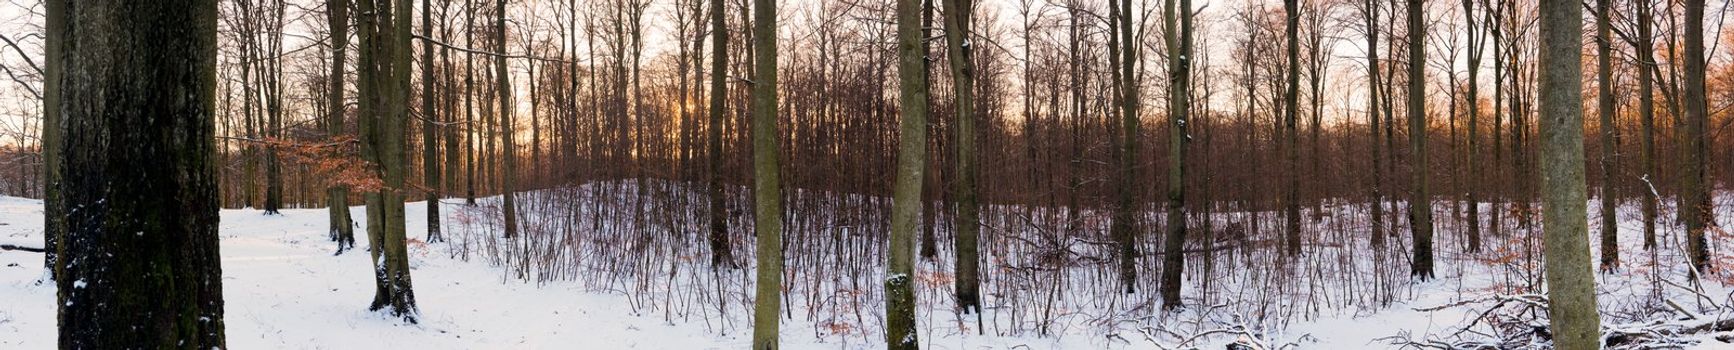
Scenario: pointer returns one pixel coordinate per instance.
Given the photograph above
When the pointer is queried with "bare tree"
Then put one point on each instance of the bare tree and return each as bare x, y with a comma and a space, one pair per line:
1179, 41
721, 253
384, 70
1695, 187
958, 40
1605, 111
767, 187
1570, 279
430, 159
906, 199
1420, 207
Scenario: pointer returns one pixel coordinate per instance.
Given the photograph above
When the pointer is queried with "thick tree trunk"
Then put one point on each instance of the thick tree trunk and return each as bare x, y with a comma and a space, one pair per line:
1420, 209
140, 256
1570, 277
767, 187
906, 201
384, 64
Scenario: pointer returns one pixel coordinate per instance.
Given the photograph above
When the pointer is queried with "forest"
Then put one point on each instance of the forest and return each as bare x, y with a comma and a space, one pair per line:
867, 174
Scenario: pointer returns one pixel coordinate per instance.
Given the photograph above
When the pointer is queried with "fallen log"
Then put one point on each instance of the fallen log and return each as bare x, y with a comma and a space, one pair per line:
22, 248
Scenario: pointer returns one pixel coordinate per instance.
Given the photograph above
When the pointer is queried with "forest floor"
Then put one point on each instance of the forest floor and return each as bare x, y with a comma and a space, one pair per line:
284, 289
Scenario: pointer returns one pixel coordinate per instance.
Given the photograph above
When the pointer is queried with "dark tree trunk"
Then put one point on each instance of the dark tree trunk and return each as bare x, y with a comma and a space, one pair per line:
53, 206
721, 255
342, 229
958, 14
384, 71
1420, 207
430, 159
141, 264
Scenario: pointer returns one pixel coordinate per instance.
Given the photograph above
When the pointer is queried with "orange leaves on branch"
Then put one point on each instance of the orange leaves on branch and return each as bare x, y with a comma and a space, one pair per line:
337, 159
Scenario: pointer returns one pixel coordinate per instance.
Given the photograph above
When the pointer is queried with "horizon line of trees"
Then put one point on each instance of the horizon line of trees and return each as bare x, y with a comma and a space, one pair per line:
801, 116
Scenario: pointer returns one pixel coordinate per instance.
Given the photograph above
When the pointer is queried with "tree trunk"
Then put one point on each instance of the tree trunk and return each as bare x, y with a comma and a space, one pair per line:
384, 64
140, 255
1290, 136
1569, 276
1695, 187
906, 201
1377, 197
1605, 110
469, 104
1180, 111
430, 155
1645, 50
958, 17
342, 229
1420, 209
1472, 194
767, 188
721, 253
53, 205
508, 149
274, 113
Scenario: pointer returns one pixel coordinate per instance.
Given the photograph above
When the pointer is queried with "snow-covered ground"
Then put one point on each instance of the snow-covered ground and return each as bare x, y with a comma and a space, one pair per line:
284, 289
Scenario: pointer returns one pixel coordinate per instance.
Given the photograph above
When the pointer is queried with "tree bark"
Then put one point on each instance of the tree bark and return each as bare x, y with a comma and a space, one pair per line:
906, 201
384, 63
1610, 229
1472, 193
721, 253
1180, 111
342, 229
1420, 209
1570, 278
1645, 49
1377, 197
509, 150
1695, 189
430, 155
967, 274
767, 187
1290, 136
140, 256
53, 204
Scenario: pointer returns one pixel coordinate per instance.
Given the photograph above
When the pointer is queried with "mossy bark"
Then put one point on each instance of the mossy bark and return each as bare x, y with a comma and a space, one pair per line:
906, 201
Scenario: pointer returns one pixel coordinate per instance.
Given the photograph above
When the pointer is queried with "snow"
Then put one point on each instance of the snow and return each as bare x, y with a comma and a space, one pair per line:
284, 289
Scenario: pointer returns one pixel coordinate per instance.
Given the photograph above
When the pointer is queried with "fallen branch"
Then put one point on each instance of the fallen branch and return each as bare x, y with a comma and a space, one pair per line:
22, 248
